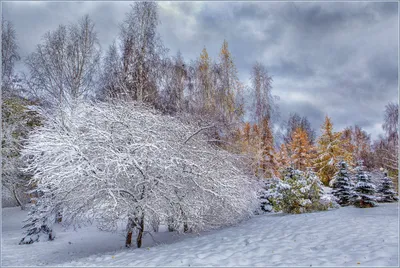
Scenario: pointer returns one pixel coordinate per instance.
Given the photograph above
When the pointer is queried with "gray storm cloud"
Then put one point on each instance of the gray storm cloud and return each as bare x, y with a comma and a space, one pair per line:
336, 59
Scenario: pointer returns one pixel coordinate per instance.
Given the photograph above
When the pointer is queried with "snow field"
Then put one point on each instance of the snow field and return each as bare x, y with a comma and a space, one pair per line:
346, 236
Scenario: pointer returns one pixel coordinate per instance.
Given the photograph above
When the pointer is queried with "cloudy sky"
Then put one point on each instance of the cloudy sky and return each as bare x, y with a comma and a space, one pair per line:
336, 59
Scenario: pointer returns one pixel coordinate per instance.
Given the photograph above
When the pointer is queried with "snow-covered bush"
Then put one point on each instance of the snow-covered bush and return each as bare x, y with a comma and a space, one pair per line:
343, 188
364, 189
267, 195
300, 192
386, 192
107, 162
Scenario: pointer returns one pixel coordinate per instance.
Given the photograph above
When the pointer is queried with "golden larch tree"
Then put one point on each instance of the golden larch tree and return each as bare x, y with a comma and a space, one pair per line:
302, 155
329, 152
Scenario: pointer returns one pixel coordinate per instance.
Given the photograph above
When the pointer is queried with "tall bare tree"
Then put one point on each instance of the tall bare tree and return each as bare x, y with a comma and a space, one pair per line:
9, 54
391, 124
263, 102
142, 52
388, 146
174, 82
64, 66
111, 76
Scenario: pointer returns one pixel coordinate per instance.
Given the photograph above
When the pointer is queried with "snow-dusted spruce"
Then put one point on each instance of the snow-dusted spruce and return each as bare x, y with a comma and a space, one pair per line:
364, 189
300, 192
267, 195
343, 188
386, 190
106, 162
38, 228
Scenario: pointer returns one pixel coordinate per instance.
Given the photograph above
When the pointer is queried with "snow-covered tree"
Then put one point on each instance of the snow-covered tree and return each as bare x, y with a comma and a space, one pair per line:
386, 190
299, 192
106, 162
342, 185
268, 194
38, 225
364, 188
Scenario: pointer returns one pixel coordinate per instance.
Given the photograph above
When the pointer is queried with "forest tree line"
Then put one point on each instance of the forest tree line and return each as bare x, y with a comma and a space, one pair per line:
69, 65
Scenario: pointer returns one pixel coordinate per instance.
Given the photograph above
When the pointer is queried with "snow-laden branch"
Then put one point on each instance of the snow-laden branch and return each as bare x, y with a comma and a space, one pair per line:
107, 162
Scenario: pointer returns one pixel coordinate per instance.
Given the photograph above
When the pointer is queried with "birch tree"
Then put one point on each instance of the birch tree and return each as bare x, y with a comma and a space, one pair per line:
142, 52
9, 54
64, 66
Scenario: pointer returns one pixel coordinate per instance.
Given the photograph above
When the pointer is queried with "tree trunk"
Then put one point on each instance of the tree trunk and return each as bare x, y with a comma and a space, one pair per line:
140, 234
17, 199
59, 217
129, 229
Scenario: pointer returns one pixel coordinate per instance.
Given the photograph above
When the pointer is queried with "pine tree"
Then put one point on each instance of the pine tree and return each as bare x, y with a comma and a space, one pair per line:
329, 152
41, 218
301, 150
386, 190
364, 188
342, 185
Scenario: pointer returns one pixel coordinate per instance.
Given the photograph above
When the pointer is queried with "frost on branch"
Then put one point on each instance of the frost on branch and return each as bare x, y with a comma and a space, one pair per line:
107, 162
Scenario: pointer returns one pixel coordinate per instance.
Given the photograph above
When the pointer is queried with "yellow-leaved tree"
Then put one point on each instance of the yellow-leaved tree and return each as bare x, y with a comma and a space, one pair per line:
282, 157
329, 152
205, 86
229, 97
302, 152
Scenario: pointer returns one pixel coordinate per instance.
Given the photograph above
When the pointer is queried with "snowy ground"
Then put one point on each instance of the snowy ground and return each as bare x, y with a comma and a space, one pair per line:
343, 237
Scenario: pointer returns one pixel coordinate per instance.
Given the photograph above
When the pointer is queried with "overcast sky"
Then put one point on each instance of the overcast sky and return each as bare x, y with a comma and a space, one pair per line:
336, 59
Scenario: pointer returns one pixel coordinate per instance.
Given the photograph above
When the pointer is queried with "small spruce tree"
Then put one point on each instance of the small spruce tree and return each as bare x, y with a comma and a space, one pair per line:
364, 188
386, 190
342, 185
38, 224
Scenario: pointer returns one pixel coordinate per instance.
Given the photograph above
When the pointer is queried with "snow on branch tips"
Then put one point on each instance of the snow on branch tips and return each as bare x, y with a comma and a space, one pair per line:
105, 162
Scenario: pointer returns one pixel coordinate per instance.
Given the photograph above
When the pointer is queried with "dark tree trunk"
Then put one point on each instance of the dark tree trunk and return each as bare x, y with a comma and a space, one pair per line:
129, 229
17, 199
140, 234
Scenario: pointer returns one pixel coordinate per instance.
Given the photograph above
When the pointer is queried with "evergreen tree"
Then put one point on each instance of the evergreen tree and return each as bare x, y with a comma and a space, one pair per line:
386, 190
299, 192
41, 218
364, 188
342, 185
